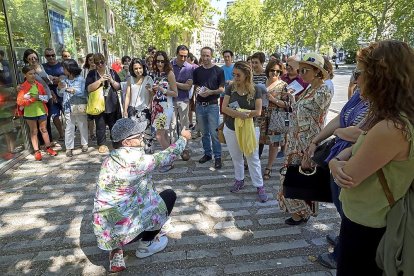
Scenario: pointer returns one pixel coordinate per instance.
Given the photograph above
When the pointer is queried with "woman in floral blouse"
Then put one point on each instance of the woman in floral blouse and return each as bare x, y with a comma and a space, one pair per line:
307, 120
126, 207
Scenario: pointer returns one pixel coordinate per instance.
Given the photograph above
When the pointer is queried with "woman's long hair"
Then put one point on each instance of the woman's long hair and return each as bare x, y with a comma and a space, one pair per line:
388, 82
167, 65
86, 64
248, 83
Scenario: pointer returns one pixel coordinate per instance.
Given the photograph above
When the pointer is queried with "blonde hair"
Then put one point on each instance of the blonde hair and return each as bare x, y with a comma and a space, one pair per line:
248, 82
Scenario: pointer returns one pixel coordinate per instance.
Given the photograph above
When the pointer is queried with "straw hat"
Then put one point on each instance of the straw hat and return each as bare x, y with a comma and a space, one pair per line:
317, 61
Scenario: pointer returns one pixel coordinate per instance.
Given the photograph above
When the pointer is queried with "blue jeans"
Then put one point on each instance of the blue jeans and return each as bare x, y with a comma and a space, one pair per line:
208, 120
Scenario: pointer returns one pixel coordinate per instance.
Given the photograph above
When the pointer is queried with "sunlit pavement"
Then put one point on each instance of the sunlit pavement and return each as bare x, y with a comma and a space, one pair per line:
46, 207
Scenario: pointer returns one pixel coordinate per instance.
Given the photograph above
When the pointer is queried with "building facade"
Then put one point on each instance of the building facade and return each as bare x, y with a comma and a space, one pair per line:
79, 26
209, 36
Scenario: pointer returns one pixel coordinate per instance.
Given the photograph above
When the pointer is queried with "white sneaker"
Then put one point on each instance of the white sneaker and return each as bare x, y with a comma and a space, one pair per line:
148, 248
167, 227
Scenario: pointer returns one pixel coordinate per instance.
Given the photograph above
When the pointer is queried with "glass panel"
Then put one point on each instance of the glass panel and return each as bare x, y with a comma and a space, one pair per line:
28, 24
79, 27
61, 26
11, 131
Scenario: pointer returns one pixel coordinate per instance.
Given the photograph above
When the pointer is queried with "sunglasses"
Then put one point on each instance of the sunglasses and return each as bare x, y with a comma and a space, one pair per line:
160, 61
32, 58
66, 56
357, 73
100, 62
274, 71
303, 71
52, 55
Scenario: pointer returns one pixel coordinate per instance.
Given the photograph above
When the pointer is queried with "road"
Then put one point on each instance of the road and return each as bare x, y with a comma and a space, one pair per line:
46, 229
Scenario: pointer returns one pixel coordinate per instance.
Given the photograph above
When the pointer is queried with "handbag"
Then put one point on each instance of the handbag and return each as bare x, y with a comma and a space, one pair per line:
78, 105
96, 102
279, 121
220, 133
322, 152
314, 186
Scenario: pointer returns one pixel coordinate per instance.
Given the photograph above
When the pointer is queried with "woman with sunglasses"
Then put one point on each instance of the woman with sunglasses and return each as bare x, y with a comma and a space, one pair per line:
243, 94
88, 66
279, 100
307, 120
165, 88
107, 78
346, 128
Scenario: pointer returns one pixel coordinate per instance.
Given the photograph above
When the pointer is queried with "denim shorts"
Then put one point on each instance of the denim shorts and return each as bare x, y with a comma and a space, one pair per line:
55, 109
37, 118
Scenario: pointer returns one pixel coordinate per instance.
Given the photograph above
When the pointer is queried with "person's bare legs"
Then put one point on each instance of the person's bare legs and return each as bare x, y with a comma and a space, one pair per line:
33, 133
273, 148
58, 124
162, 138
45, 135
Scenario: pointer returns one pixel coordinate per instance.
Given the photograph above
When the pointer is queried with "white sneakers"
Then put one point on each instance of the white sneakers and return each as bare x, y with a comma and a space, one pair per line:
148, 248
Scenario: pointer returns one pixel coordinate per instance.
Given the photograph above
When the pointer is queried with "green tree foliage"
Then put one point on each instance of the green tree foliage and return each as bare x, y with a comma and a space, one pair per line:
317, 25
162, 23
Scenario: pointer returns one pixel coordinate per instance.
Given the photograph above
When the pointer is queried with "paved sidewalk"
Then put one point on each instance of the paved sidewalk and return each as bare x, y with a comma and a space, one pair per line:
46, 229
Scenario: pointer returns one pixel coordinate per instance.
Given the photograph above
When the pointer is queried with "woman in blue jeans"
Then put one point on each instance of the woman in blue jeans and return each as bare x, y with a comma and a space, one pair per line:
345, 128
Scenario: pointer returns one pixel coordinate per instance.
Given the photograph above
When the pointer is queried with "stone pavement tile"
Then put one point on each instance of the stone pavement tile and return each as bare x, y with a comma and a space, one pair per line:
263, 265
194, 271
268, 247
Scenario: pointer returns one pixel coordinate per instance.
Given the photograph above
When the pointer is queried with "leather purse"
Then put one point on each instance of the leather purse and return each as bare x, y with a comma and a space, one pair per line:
313, 186
322, 152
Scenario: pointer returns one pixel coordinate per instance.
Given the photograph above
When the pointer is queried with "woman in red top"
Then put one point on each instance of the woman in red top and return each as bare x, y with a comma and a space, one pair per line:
31, 102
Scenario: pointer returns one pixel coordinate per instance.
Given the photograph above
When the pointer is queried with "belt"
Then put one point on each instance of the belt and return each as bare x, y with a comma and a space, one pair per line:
207, 103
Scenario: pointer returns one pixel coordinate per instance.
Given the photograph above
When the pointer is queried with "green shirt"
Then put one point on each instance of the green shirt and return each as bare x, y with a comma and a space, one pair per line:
367, 204
36, 108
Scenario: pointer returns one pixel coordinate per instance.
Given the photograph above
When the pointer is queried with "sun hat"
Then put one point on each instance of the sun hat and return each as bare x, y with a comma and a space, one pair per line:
315, 60
293, 61
126, 127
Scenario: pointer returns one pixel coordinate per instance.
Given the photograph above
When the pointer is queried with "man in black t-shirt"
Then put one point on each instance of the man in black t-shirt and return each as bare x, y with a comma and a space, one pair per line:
209, 83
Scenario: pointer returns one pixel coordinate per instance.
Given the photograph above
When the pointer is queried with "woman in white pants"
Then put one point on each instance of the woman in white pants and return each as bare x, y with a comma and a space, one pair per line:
243, 94
72, 89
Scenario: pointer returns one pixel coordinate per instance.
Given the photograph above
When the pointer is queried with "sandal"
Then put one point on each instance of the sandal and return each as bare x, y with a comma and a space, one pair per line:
267, 173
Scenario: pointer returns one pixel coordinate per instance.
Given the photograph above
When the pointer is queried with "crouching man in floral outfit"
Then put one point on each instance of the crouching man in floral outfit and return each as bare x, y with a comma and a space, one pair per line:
126, 207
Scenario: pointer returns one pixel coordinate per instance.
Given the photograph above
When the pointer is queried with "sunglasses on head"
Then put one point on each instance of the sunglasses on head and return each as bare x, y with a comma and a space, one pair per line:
52, 55
100, 62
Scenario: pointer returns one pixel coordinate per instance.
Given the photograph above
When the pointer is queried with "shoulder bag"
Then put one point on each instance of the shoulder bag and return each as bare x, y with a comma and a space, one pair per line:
279, 121
96, 102
322, 152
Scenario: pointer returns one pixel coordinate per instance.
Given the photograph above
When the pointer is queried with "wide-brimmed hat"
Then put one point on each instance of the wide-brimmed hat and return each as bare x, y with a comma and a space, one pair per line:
315, 60
126, 127
293, 61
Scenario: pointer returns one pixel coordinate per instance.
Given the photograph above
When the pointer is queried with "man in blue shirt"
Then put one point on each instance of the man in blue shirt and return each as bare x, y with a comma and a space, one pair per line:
183, 72
228, 70
54, 69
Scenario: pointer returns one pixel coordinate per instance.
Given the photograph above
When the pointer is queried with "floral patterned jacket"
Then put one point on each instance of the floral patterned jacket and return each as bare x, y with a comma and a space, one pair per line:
126, 202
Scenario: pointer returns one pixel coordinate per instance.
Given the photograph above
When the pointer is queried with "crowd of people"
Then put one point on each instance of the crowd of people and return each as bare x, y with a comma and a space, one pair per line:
282, 105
